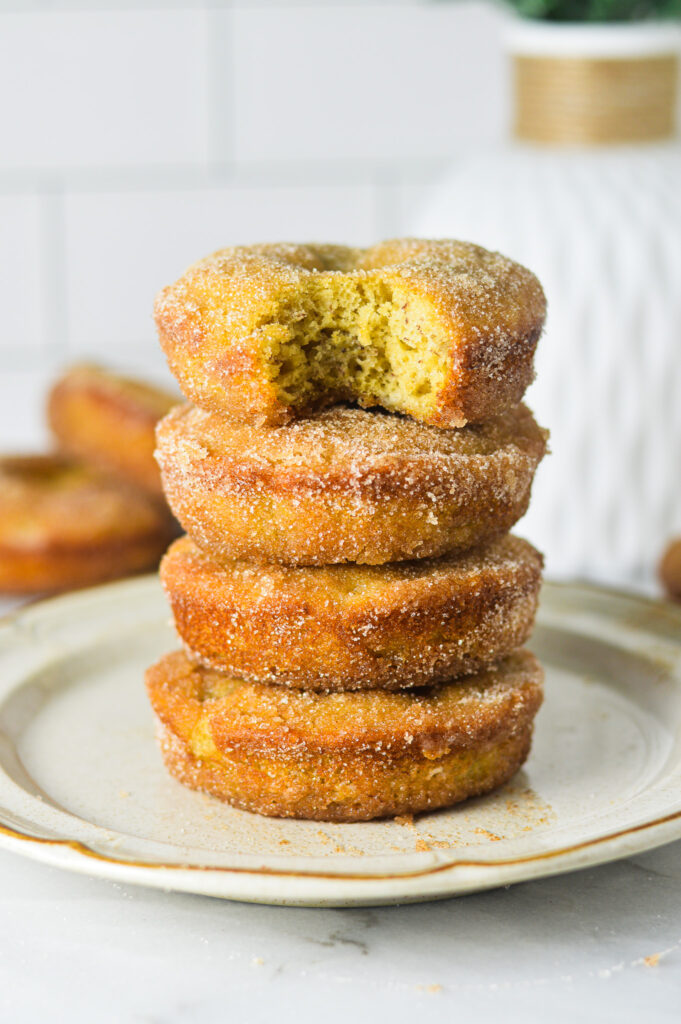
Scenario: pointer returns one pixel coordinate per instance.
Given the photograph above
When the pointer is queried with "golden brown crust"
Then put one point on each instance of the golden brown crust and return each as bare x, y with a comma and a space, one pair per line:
669, 569
348, 627
345, 485
342, 756
108, 421
221, 325
63, 526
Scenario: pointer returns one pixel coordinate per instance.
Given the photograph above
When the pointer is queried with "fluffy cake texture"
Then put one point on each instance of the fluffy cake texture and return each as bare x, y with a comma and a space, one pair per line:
345, 484
343, 756
443, 331
349, 627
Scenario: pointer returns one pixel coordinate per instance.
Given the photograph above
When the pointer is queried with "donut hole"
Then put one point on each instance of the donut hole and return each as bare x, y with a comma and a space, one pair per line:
359, 339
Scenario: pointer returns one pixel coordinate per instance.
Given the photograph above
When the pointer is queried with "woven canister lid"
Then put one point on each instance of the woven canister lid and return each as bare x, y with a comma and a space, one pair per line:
584, 84
590, 100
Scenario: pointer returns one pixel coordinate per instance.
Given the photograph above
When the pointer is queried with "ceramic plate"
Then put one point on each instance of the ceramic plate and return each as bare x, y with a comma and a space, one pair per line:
82, 785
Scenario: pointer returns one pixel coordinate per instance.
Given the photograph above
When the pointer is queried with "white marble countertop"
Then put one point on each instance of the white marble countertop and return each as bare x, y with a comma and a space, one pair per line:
600, 945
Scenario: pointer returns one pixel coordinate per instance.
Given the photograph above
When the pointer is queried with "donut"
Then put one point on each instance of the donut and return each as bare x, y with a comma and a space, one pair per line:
669, 569
345, 484
108, 421
349, 627
443, 331
343, 756
64, 526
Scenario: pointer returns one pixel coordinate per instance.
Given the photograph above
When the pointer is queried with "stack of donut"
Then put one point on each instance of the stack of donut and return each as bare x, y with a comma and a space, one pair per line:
93, 510
351, 604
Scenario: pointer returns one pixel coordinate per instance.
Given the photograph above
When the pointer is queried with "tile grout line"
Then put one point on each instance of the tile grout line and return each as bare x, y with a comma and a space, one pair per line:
214, 173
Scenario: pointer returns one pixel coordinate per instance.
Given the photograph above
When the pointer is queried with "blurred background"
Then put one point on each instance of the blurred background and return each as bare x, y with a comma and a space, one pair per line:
137, 137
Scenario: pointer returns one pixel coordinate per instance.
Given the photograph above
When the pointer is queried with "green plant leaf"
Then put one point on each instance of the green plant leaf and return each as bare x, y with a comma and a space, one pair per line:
596, 10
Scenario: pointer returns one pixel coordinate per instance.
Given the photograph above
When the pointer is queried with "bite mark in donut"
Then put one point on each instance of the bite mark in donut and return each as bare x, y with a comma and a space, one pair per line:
443, 331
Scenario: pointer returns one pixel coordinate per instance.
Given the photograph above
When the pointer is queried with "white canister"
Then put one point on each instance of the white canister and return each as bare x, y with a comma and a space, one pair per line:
598, 218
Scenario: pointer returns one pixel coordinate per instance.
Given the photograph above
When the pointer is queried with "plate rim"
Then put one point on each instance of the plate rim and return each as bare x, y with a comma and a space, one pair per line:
456, 877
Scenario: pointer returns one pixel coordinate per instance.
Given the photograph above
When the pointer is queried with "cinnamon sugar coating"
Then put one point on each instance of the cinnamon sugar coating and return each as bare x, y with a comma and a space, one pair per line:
349, 627
64, 526
345, 485
343, 756
443, 331
108, 421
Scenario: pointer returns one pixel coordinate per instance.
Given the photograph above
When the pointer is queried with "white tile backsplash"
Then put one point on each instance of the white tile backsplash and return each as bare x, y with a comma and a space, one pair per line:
22, 408
135, 138
22, 292
102, 89
121, 248
370, 82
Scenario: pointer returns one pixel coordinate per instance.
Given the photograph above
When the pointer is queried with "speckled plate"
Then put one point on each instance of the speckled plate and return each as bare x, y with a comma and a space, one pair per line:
82, 785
